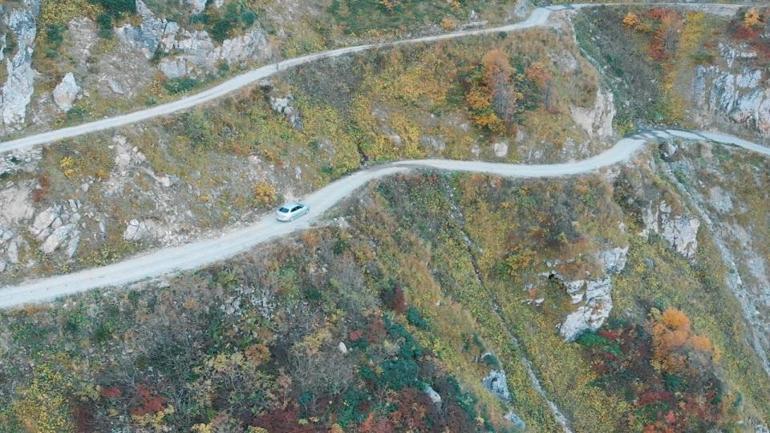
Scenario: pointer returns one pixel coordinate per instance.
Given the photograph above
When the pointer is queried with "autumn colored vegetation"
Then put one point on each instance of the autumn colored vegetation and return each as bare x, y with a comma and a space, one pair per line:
653, 51
344, 329
497, 93
278, 347
752, 27
664, 370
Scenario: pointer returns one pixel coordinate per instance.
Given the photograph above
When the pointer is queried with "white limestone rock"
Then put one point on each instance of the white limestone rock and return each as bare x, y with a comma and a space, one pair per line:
141, 230
737, 92
65, 94
197, 6
596, 121
57, 228
434, 396
500, 149
592, 314
199, 54
613, 260
10, 245
284, 105
593, 296
497, 383
153, 33
66, 236
15, 204
680, 231
16, 92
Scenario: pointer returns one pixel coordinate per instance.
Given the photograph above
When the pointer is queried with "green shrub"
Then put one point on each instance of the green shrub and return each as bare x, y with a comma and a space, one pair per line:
221, 26
221, 30
399, 374
105, 26
54, 36
353, 407
248, 17
201, 18
491, 360
102, 333
180, 85
113, 9
116, 8
415, 318
196, 126
674, 382
591, 339
702, 58
76, 114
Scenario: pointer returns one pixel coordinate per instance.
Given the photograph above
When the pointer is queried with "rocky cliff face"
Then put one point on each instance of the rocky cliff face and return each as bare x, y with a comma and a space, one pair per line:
680, 231
124, 69
734, 90
189, 52
594, 296
17, 90
597, 120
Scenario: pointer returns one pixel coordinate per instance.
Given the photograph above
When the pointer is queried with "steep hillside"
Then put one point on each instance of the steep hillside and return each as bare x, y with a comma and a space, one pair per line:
73, 60
525, 97
432, 300
678, 66
632, 299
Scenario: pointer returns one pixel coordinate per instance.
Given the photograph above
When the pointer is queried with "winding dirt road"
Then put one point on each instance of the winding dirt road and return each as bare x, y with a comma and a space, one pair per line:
207, 251
204, 252
538, 18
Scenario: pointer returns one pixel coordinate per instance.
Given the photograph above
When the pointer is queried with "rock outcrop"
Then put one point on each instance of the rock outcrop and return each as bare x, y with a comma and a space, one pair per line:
16, 92
735, 90
15, 204
434, 396
497, 384
284, 105
57, 228
594, 296
680, 231
66, 92
501, 149
152, 34
143, 230
15, 209
596, 121
10, 244
199, 54
189, 53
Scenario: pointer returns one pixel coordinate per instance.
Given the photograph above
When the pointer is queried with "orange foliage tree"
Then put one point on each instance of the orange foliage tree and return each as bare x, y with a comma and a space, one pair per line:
664, 39
631, 20
752, 18
491, 98
538, 73
674, 342
389, 4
